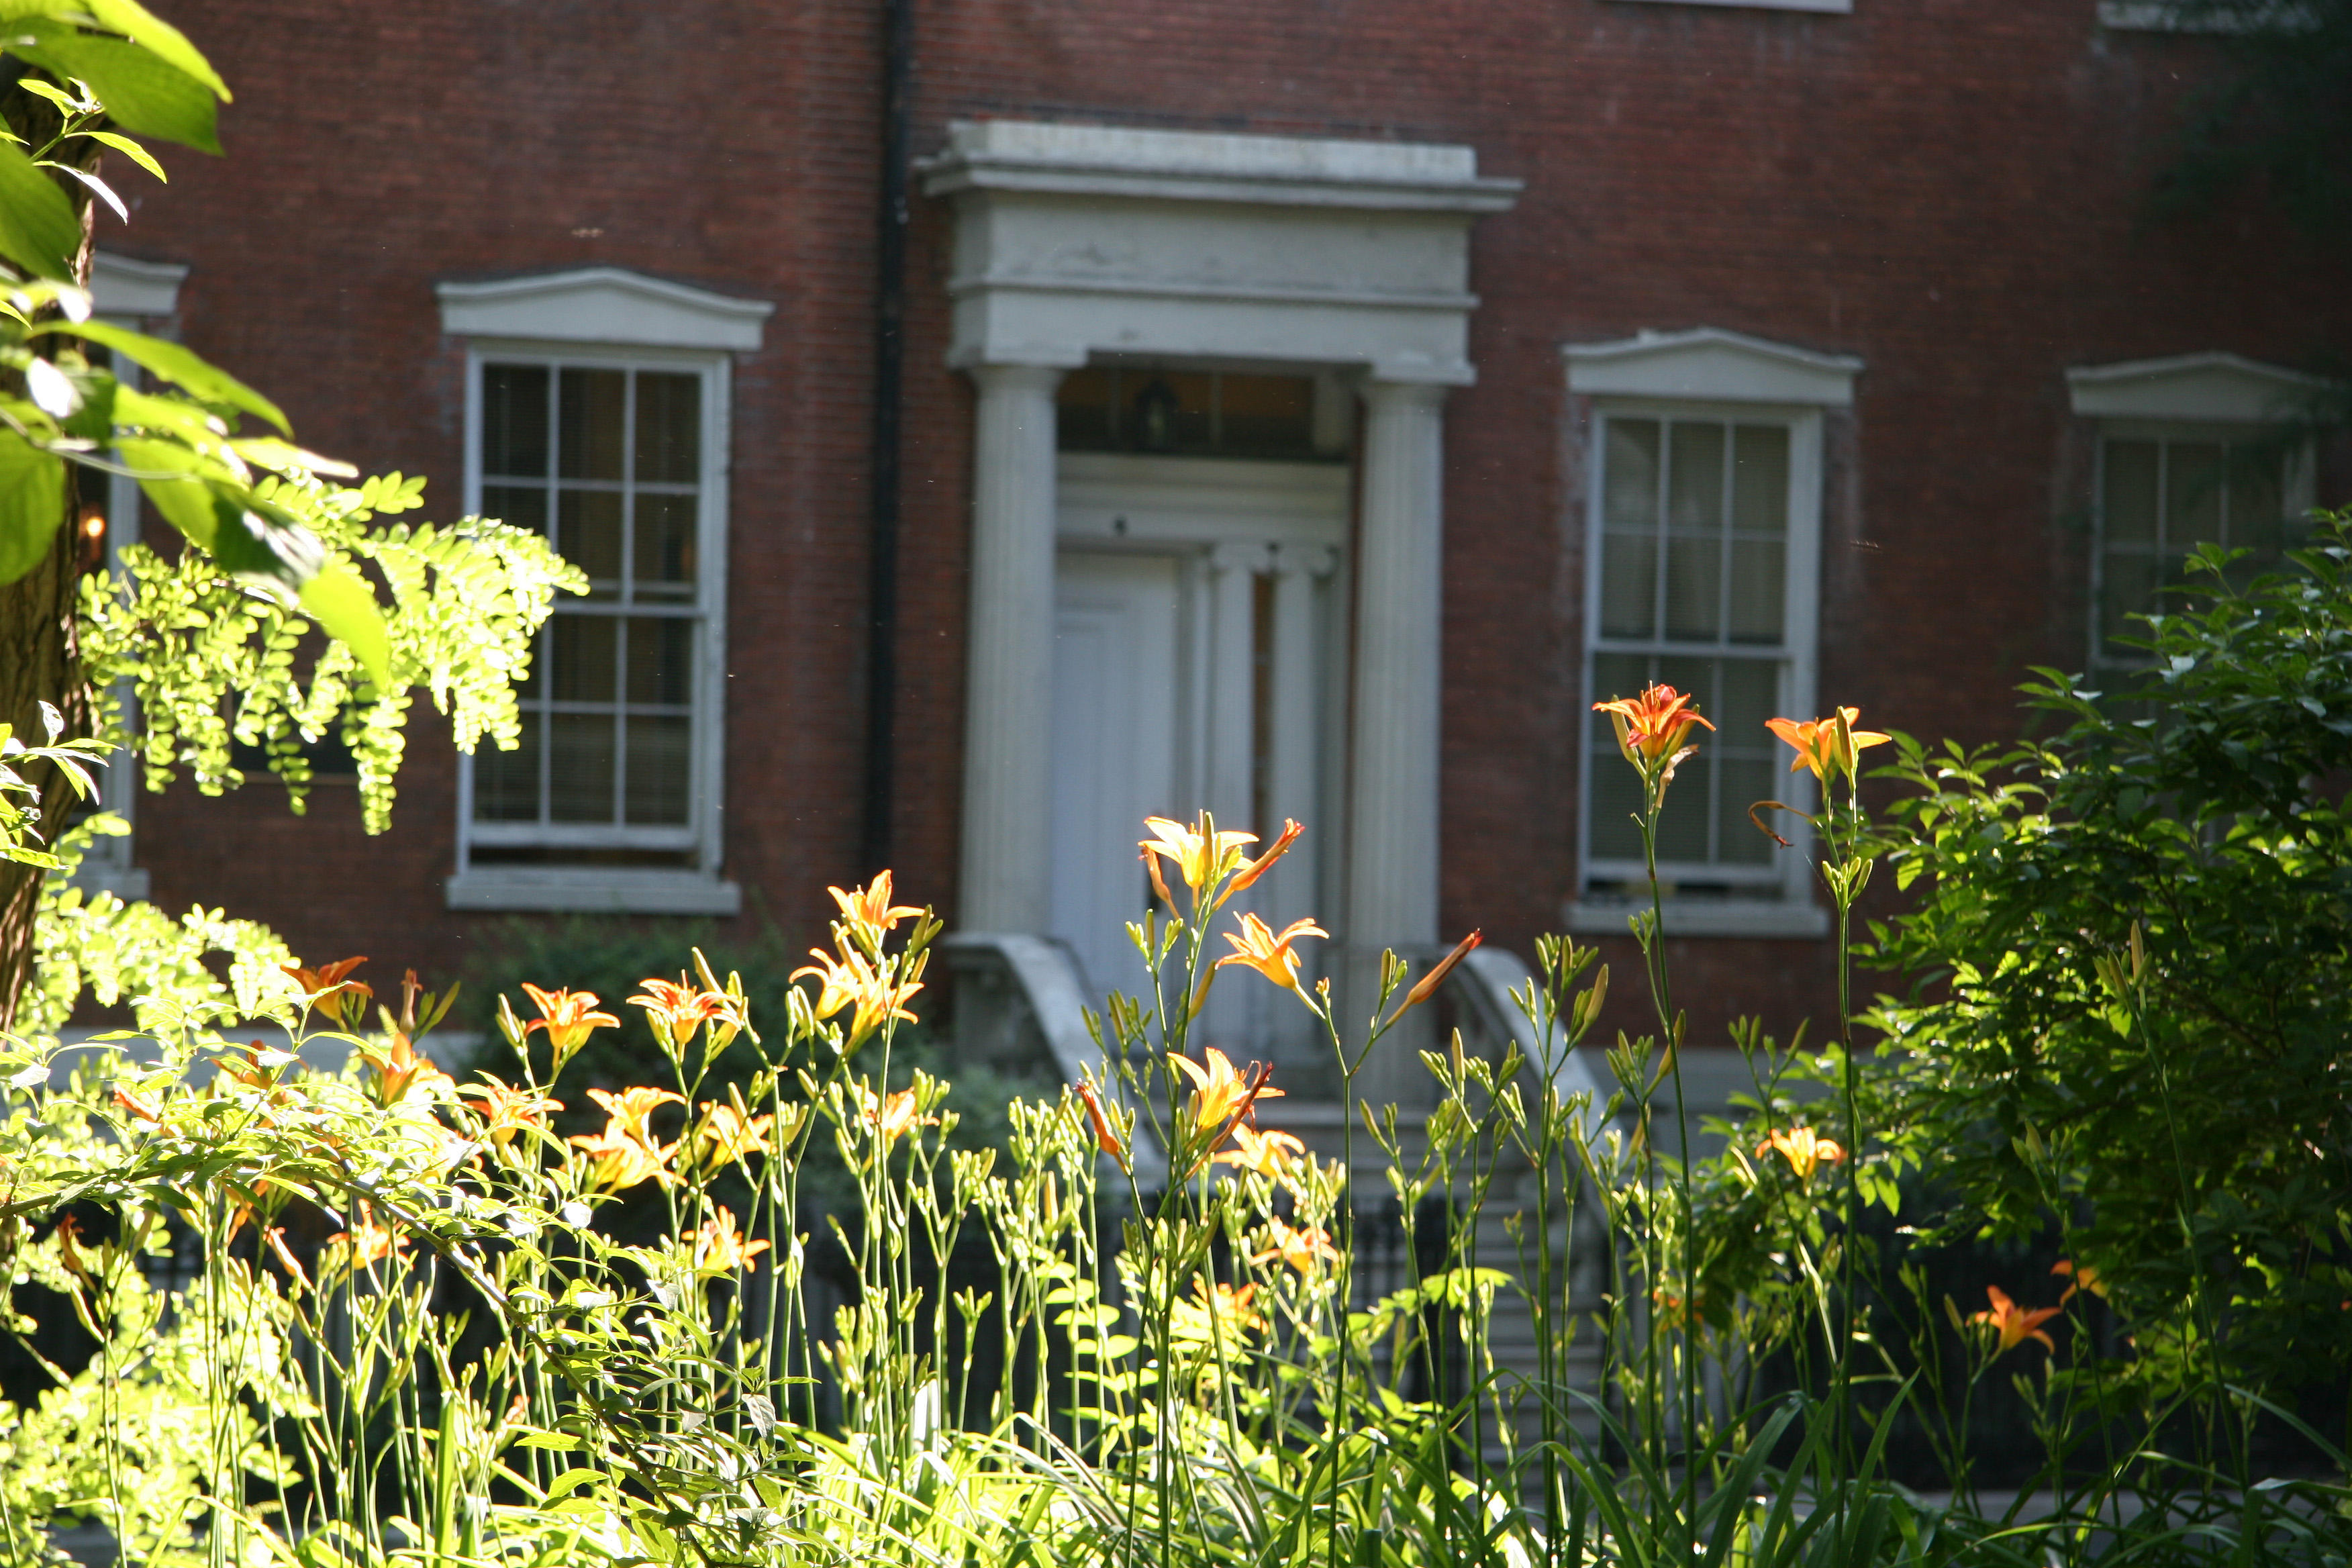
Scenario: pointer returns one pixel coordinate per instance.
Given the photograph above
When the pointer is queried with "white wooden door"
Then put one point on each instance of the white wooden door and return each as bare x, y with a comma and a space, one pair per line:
1116, 717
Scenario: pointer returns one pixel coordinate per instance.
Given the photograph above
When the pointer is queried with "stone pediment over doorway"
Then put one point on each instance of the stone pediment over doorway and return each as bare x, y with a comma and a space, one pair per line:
1074, 241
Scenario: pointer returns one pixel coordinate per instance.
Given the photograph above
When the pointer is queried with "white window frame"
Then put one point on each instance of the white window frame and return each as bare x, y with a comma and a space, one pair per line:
604, 319
144, 295
1708, 374
2206, 396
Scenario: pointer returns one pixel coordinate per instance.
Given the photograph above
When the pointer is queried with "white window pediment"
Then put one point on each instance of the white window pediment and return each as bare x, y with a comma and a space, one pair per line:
1707, 362
120, 287
2211, 387
602, 305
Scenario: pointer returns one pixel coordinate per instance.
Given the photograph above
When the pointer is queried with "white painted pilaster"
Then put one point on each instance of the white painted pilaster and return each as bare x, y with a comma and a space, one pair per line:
1392, 818
1008, 705
1232, 749
1292, 728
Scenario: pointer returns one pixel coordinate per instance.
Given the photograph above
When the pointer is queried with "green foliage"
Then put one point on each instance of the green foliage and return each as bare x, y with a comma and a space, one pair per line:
2135, 941
212, 665
20, 798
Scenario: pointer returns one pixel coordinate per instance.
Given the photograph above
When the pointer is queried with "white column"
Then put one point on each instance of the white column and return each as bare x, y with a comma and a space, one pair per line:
1294, 728
1231, 739
1009, 675
1392, 815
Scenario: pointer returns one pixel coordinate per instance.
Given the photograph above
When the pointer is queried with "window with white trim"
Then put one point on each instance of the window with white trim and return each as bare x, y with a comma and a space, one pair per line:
612, 441
2195, 449
1703, 461
1694, 591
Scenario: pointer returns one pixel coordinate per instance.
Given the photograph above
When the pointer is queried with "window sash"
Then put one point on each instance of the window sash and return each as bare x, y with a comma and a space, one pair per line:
693, 602
1730, 761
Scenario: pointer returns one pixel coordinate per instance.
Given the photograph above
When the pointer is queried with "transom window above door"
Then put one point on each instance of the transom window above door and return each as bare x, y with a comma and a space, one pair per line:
1200, 413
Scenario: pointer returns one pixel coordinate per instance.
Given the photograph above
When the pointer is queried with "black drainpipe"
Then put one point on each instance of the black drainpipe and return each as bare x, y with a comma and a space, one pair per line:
889, 356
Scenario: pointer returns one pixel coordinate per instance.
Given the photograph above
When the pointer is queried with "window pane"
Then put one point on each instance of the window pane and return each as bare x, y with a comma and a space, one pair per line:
1750, 694
1271, 413
1693, 588
1759, 479
1758, 589
1695, 489
1615, 795
586, 655
1683, 824
594, 405
514, 420
1082, 407
2131, 492
669, 428
588, 534
1744, 781
663, 546
520, 506
2127, 587
2192, 494
2257, 503
506, 783
1629, 584
1616, 675
661, 660
1629, 484
660, 767
580, 767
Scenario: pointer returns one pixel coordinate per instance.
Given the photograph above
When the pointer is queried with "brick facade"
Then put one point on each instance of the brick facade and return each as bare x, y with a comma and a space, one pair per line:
1953, 192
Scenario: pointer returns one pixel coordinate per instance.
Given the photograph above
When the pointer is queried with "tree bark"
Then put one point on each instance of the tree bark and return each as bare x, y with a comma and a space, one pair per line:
40, 657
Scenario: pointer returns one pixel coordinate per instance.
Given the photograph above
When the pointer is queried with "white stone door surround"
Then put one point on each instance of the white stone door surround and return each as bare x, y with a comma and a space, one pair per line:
1075, 241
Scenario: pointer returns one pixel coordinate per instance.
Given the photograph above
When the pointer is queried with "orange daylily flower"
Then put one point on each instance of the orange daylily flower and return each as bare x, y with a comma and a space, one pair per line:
731, 1135
1302, 1250
68, 1255
2013, 1324
1106, 1138
276, 1236
616, 1162
2080, 1277
1804, 1149
366, 1242
870, 908
1228, 1307
399, 1070
1258, 867
893, 1115
1269, 954
720, 1247
1426, 986
1827, 745
1199, 855
1650, 727
507, 1110
677, 1009
327, 989
1275, 1154
568, 1018
141, 1109
1222, 1096
850, 981
631, 1112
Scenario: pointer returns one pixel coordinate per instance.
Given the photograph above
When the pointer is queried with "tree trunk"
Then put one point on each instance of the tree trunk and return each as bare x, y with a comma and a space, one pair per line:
40, 658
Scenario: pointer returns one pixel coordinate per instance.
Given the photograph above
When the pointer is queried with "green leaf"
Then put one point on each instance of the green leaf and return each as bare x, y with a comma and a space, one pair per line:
175, 364
142, 90
186, 504
340, 601
128, 149
38, 225
32, 504
143, 28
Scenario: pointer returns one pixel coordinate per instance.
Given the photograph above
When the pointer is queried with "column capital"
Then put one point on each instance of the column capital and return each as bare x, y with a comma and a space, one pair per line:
1378, 391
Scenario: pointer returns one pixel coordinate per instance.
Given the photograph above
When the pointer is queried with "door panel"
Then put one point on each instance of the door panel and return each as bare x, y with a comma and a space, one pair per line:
1116, 713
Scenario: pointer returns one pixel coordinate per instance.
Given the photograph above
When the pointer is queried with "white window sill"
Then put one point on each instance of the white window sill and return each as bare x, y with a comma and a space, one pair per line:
590, 890
1837, 8
128, 883
1694, 917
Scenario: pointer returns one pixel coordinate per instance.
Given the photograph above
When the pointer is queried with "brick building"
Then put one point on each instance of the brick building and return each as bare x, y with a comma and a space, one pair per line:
1302, 411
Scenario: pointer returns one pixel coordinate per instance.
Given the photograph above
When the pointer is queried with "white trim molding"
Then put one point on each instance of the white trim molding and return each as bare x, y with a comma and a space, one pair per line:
1763, 919
2208, 387
568, 889
1712, 364
119, 286
603, 305
1077, 240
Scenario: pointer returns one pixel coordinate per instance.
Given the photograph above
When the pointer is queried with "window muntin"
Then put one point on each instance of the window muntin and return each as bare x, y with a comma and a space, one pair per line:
610, 460
1696, 558
2161, 494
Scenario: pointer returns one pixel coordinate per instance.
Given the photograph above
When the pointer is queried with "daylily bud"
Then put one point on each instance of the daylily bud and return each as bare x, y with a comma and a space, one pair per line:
1429, 982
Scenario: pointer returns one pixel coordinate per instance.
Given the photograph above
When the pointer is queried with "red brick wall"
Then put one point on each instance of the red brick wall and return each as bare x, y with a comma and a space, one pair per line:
1951, 191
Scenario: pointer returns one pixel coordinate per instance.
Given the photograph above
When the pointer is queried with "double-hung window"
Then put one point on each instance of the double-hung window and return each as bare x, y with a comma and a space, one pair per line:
2199, 450
1704, 520
614, 450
